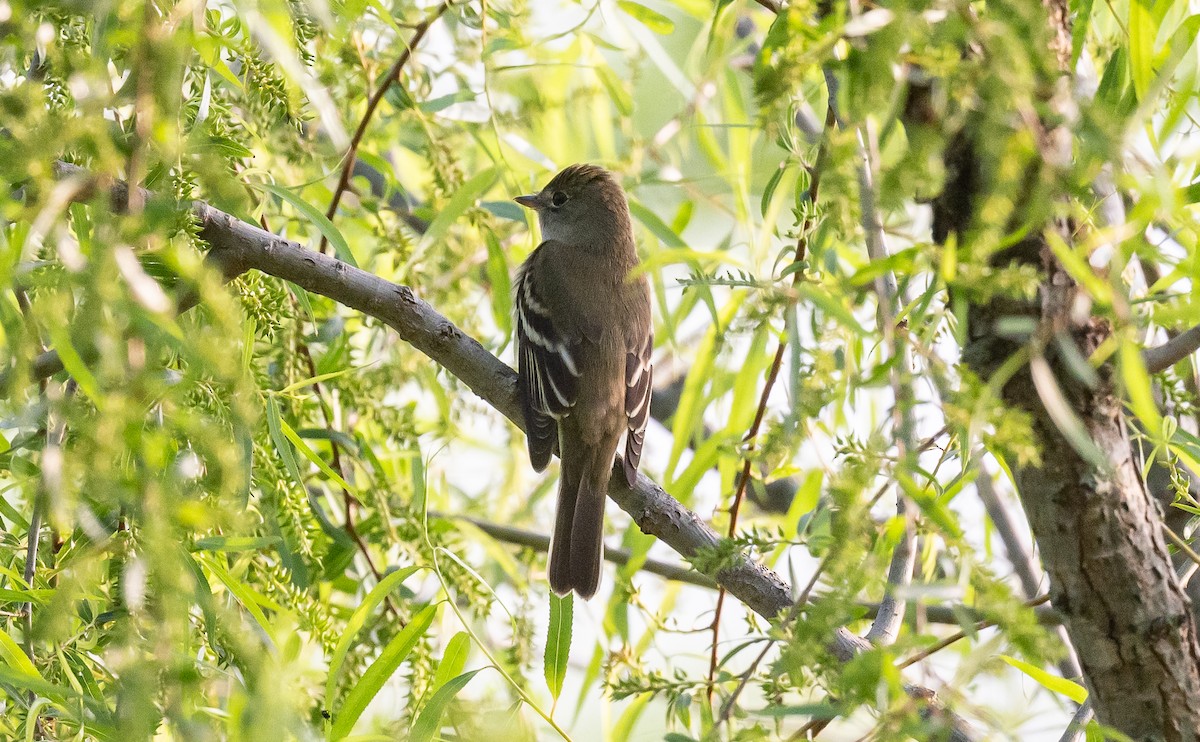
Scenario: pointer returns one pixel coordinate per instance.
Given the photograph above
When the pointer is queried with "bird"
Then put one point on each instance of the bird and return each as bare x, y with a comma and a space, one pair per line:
584, 345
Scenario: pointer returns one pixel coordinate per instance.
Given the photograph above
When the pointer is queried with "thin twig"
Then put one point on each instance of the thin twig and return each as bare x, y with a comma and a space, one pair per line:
1182, 545
814, 188
1076, 731
392, 76
51, 478
886, 626
801, 601
541, 542
39, 501
980, 626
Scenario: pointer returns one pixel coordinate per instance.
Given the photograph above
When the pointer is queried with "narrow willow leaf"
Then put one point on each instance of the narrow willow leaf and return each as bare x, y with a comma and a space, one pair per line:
248, 329
243, 593
40, 596
1072, 690
651, 19
1138, 386
692, 400
501, 284
430, 720
1081, 14
275, 429
616, 89
683, 217
312, 456
831, 306
12, 655
369, 685
805, 500
454, 659
772, 184
623, 729
657, 226
331, 233
389, 583
1062, 413
1141, 45
73, 363
558, 643
314, 380
235, 543
464, 199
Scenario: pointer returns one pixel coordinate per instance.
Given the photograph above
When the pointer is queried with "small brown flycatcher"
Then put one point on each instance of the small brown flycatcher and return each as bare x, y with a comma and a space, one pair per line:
584, 338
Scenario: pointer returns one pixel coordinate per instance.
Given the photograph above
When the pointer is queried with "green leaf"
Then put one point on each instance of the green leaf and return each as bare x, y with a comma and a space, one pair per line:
464, 199
623, 729
314, 380
804, 501
616, 88
430, 720
505, 210
1081, 13
312, 456
831, 306
12, 655
500, 282
384, 666
1142, 30
235, 543
1138, 386
445, 101
558, 643
772, 184
275, 428
655, 225
688, 416
454, 658
651, 19
1072, 690
377, 595
340, 247
244, 594
226, 146
73, 363
40, 596
1063, 413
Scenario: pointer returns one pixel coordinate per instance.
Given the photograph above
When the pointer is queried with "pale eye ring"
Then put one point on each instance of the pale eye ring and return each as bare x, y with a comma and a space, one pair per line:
558, 199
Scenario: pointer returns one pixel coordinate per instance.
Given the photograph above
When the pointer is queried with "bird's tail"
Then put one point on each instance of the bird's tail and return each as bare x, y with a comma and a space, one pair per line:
577, 547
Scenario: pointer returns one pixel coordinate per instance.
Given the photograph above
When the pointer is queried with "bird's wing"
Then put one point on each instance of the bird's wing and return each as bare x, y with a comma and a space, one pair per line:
546, 361
638, 373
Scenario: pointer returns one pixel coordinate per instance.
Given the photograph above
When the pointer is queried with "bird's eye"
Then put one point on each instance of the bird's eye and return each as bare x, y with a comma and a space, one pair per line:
559, 198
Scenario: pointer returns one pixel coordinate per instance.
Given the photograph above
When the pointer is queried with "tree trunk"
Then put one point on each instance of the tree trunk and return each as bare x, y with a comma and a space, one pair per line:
1098, 530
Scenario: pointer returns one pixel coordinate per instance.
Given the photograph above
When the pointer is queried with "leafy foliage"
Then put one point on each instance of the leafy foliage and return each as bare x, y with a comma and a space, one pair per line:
243, 521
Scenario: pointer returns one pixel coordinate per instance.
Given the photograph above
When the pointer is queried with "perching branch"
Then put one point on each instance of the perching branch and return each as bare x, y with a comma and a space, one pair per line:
236, 247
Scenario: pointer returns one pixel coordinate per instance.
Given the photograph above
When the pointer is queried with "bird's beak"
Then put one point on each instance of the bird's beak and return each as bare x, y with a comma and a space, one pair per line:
533, 201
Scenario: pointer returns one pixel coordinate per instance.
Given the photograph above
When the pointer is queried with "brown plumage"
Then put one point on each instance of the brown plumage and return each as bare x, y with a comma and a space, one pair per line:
584, 339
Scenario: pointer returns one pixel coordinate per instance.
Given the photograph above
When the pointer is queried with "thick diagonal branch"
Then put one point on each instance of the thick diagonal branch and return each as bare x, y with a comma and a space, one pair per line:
236, 247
